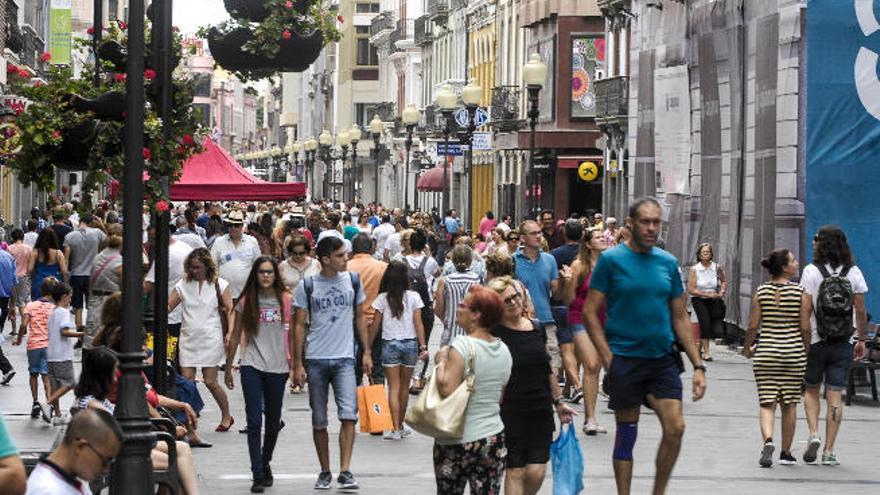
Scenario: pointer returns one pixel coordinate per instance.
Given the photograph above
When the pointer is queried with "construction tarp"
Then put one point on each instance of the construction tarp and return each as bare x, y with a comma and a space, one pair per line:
214, 175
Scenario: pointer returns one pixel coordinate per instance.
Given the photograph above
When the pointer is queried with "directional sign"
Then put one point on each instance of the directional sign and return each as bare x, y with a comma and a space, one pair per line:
454, 149
588, 171
461, 117
482, 141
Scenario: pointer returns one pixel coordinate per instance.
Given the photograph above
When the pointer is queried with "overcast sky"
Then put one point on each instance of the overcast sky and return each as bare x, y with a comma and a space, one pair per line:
189, 15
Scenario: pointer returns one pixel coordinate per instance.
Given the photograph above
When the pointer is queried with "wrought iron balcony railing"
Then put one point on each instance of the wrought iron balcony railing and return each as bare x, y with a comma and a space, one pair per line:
612, 97
504, 112
423, 36
438, 10
382, 23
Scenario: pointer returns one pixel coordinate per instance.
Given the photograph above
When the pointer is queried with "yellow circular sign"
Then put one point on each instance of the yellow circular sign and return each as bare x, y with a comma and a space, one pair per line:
588, 171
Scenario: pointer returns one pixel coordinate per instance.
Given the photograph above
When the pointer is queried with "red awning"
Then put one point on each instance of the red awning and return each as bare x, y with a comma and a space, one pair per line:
432, 179
214, 175
575, 161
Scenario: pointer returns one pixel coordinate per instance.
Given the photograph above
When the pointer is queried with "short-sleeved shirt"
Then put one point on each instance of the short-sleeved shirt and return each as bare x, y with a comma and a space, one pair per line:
811, 279
392, 245
177, 253
638, 288
60, 347
267, 349
61, 230
492, 366
83, 244
537, 276
7, 446
234, 262
22, 254
565, 254
38, 328
107, 279
30, 238
452, 225
350, 231
401, 328
8, 278
48, 479
331, 317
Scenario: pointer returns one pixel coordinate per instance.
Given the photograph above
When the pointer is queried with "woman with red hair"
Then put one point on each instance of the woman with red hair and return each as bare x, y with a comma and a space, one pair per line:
478, 456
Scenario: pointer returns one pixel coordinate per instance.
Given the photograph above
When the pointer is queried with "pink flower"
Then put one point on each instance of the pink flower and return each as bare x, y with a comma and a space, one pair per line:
188, 140
162, 205
56, 135
340, 19
90, 30
146, 153
286, 34
38, 83
149, 74
64, 189
122, 25
11, 69
288, 4
45, 56
120, 77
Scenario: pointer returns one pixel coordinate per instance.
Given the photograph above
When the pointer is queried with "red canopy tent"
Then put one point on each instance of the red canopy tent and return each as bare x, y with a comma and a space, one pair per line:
431, 180
214, 175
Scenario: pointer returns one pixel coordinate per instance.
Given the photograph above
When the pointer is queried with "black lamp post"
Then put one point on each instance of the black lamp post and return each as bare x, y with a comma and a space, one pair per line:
376, 128
410, 118
534, 76
354, 135
310, 146
447, 101
342, 141
471, 96
423, 137
325, 141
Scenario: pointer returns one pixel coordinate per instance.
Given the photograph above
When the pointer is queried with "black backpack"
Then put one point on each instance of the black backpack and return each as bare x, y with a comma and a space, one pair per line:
834, 306
419, 283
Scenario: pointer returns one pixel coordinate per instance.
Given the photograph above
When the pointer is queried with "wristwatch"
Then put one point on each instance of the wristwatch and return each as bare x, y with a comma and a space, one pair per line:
701, 367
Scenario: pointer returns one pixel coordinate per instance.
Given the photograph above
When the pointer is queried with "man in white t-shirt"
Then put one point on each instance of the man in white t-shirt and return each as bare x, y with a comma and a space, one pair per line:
393, 246
417, 242
235, 253
381, 234
830, 357
92, 440
177, 253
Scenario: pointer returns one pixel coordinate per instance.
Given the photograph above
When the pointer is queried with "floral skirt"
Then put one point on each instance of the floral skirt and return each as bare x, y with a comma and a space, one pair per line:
480, 464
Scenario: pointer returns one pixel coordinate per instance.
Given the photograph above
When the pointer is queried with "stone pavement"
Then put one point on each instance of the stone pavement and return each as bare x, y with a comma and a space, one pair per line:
719, 455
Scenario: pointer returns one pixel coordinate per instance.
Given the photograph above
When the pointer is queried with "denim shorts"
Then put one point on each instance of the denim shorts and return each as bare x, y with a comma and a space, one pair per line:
340, 373
400, 353
567, 336
830, 360
631, 380
80, 286
38, 361
23, 291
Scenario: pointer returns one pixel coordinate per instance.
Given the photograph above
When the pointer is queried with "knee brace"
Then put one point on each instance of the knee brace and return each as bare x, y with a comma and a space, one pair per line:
625, 440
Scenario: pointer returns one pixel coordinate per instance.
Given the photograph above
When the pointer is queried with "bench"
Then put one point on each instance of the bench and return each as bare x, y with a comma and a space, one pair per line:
870, 368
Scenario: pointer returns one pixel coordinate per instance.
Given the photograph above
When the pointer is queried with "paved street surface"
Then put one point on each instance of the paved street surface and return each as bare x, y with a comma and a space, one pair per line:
719, 456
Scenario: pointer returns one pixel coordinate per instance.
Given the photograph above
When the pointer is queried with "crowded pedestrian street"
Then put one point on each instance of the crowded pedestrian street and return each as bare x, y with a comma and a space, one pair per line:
496, 247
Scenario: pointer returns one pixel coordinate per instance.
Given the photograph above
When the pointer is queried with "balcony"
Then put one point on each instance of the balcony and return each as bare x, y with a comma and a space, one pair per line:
385, 111
403, 35
504, 111
382, 24
458, 4
438, 10
611, 97
422, 36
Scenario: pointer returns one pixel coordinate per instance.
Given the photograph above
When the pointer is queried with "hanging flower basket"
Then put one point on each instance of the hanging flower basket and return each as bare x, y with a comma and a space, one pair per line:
72, 153
258, 10
295, 54
108, 106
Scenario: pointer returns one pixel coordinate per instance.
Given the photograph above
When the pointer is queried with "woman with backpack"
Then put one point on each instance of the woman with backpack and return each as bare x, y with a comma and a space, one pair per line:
398, 314
423, 269
780, 357
263, 317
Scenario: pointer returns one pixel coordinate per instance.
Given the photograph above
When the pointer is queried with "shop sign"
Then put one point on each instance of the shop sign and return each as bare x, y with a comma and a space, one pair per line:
13, 104
588, 171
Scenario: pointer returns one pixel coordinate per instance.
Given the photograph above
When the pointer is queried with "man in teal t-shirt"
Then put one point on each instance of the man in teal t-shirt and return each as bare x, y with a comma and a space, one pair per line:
12, 475
641, 288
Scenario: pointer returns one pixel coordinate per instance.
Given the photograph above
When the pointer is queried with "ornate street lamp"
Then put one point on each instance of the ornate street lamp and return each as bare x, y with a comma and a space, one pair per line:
447, 100
534, 75
471, 96
410, 118
310, 146
354, 135
342, 141
325, 140
376, 129
423, 138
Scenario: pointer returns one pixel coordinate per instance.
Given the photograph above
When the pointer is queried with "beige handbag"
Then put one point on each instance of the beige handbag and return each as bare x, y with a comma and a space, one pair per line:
439, 417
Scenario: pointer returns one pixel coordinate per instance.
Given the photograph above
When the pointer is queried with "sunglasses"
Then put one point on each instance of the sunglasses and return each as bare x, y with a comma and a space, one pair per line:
513, 239
510, 301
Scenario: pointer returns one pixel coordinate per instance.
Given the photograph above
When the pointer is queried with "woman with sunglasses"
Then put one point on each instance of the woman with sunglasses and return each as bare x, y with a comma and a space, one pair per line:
511, 243
478, 457
262, 317
295, 269
530, 396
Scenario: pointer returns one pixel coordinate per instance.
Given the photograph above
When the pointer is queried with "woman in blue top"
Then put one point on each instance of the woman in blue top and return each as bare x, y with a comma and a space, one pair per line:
47, 260
478, 457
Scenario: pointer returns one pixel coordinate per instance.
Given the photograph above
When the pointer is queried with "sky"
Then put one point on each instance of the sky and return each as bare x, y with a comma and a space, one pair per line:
189, 15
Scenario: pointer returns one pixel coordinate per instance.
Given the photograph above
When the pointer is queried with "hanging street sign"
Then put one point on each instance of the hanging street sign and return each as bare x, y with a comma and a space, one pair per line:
461, 117
454, 149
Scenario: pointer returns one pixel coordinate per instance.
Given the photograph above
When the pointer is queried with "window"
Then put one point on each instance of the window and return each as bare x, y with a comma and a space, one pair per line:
367, 8
363, 114
366, 53
203, 110
202, 84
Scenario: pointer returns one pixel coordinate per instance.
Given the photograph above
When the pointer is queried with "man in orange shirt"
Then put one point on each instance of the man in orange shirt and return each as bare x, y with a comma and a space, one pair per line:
22, 254
371, 271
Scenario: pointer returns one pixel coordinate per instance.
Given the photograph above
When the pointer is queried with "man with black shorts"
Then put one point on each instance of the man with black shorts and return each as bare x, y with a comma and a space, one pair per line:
646, 313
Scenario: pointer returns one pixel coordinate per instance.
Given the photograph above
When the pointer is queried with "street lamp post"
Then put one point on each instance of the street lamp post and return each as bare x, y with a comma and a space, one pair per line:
343, 142
410, 118
447, 101
310, 146
423, 138
326, 140
376, 128
471, 96
354, 135
534, 75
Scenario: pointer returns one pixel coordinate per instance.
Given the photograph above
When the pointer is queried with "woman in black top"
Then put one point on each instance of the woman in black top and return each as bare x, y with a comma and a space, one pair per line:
530, 396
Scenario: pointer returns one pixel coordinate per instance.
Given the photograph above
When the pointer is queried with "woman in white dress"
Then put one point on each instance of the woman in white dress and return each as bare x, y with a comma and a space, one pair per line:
202, 337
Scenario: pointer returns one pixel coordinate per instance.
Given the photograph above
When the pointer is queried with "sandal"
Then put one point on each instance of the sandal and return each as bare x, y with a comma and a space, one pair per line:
296, 389
223, 429
201, 444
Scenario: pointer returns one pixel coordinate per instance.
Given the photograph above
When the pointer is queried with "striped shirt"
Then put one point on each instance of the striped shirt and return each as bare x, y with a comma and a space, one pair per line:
456, 286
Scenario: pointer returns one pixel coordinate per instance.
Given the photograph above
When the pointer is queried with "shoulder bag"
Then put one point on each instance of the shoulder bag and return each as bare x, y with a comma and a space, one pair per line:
439, 417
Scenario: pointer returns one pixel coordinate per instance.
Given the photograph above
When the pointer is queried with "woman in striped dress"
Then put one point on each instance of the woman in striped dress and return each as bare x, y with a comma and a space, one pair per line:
451, 290
780, 357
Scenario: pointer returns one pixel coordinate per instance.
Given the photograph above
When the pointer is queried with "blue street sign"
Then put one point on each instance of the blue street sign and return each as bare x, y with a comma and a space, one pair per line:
454, 149
461, 117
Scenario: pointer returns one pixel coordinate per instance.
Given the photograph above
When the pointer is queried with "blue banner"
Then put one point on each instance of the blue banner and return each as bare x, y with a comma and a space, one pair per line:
843, 128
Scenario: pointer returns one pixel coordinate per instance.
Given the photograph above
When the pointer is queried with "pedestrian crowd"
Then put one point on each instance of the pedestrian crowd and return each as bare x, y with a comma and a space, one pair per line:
318, 297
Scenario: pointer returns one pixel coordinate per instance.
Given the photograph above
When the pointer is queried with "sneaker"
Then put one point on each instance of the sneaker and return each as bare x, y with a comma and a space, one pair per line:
7, 377
829, 459
576, 396
390, 435
346, 481
406, 431
766, 459
257, 486
786, 459
268, 479
324, 480
46, 411
591, 428
812, 449
61, 420
36, 411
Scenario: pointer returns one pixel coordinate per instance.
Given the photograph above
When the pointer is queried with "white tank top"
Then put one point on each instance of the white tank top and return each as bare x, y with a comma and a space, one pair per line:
707, 277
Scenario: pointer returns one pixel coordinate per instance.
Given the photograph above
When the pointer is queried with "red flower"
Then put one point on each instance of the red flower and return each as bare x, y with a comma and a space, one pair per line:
11, 69
38, 83
289, 4
120, 77
149, 74
56, 135
24, 73
123, 25
45, 56
64, 189
90, 30
146, 153
340, 19
161, 205
286, 34
188, 140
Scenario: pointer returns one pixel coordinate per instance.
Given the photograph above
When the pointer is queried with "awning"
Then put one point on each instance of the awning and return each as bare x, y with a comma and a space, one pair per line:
432, 179
575, 161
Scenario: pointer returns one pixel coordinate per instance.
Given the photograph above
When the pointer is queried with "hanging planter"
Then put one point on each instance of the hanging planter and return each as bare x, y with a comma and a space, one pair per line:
295, 53
258, 10
112, 52
108, 106
75, 146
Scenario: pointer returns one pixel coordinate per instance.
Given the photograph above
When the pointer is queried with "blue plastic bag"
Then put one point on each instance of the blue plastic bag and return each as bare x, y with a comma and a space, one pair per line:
568, 463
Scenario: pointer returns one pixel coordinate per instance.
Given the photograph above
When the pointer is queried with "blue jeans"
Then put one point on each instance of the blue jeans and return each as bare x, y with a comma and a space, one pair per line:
340, 372
263, 394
